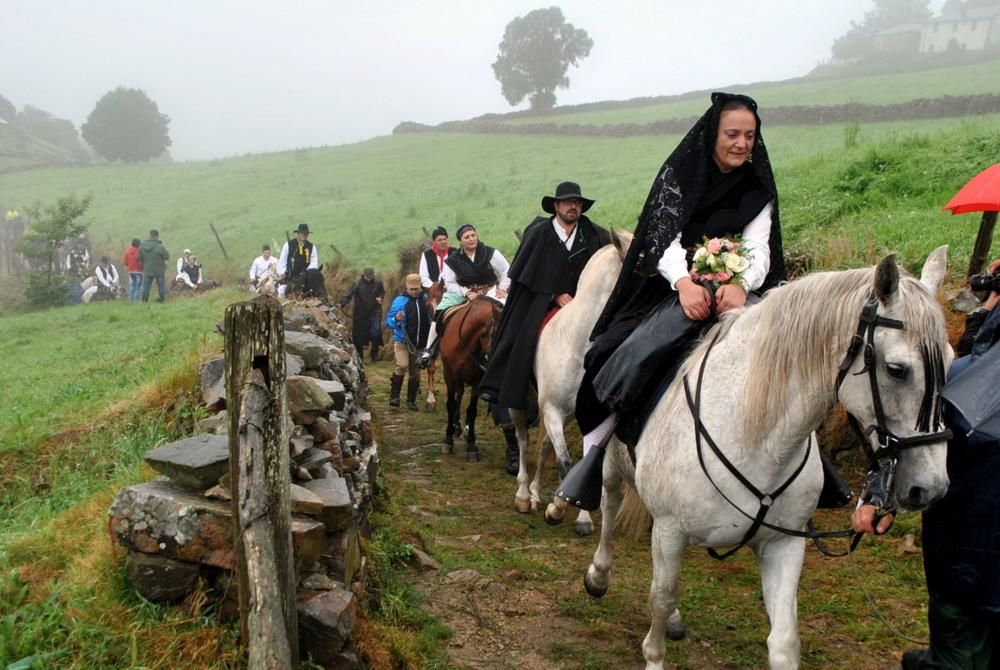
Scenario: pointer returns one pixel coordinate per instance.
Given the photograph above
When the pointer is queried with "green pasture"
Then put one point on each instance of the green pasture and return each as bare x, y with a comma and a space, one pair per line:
366, 199
872, 90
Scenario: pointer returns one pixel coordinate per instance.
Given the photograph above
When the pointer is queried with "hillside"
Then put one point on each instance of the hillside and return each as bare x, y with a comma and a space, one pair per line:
365, 199
20, 150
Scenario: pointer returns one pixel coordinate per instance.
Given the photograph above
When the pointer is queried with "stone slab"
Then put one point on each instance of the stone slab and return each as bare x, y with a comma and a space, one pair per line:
161, 579
326, 624
196, 462
338, 512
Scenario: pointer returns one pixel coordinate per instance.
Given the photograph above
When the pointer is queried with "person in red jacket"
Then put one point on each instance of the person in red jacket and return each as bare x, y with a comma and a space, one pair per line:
133, 265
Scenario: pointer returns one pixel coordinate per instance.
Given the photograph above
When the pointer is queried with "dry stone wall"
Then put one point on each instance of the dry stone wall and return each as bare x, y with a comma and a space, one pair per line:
177, 529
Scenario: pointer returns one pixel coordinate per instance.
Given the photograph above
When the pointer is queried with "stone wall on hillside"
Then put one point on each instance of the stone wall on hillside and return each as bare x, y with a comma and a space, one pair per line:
177, 529
925, 108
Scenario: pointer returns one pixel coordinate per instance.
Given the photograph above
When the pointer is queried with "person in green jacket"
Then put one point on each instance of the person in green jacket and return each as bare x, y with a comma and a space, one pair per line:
154, 258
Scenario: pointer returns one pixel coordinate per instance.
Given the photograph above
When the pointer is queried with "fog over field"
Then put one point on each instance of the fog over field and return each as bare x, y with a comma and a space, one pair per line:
240, 76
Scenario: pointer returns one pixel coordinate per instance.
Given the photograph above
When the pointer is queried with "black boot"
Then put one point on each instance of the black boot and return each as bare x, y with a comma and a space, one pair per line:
374, 353
397, 386
412, 389
428, 354
584, 482
836, 492
513, 455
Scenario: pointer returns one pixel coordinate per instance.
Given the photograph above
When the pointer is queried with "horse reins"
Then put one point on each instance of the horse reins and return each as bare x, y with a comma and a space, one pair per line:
890, 444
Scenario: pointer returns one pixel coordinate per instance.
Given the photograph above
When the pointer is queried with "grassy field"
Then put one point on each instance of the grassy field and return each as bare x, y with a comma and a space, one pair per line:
368, 198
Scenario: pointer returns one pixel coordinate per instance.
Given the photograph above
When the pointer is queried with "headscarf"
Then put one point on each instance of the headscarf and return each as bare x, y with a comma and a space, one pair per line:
675, 195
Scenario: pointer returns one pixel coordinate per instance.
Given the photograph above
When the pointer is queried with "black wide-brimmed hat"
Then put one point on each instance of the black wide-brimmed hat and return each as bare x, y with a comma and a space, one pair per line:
303, 228
565, 191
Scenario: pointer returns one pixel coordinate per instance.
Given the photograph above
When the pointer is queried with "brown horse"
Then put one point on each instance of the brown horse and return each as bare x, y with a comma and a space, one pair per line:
463, 344
434, 295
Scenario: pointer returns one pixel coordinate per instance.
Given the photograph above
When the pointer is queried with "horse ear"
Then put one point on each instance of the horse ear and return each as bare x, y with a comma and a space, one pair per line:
886, 279
622, 241
934, 269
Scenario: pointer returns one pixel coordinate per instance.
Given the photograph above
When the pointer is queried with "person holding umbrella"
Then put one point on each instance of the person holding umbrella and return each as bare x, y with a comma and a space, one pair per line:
961, 532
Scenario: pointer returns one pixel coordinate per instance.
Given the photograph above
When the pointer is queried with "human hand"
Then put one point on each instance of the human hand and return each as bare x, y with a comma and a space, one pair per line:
563, 299
399, 316
729, 296
863, 520
471, 295
501, 293
695, 299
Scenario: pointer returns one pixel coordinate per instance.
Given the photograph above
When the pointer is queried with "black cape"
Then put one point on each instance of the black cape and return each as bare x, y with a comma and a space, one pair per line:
542, 269
367, 314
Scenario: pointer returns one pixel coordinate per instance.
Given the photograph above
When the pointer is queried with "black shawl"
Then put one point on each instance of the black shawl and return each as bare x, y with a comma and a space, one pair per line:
679, 193
475, 272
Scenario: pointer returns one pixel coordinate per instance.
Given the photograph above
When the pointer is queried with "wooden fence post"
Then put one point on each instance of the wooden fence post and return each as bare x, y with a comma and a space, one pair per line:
219, 240
259, 470
983, 241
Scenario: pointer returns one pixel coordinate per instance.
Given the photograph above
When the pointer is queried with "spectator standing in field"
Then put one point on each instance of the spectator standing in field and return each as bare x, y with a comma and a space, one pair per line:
134, 268
409, 321
153, 256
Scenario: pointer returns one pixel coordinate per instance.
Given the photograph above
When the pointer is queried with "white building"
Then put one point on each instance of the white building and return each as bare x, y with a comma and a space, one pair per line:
976, 30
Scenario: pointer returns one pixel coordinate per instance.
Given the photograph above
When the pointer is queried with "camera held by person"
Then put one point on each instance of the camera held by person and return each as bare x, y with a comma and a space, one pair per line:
985, 282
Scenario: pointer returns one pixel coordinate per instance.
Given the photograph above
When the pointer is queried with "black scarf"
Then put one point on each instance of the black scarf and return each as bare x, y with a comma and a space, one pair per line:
678, 197
475, 272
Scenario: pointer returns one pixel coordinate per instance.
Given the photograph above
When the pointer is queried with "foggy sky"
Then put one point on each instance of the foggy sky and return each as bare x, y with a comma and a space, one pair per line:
239, 76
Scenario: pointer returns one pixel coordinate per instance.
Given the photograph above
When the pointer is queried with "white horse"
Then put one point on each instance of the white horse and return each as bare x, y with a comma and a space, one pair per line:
559, 371
759, 383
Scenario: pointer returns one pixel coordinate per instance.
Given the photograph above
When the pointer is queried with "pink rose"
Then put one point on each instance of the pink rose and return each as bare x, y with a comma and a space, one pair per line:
708, 276
714, 245
723, 276
732, 246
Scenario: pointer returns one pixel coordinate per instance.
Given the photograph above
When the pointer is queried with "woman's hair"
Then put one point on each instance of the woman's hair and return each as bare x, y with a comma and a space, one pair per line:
736, 104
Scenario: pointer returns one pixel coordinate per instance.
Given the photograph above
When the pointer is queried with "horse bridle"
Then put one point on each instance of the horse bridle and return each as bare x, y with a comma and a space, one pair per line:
885, 457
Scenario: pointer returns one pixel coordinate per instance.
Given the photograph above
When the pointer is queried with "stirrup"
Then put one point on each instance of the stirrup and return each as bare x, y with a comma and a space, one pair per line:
424, 361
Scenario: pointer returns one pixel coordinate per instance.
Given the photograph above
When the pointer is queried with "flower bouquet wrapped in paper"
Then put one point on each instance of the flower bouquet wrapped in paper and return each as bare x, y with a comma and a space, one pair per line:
720, 261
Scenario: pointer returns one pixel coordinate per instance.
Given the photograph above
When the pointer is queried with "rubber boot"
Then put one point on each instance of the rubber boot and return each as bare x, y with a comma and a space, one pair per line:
412, 389
513, 455
397, 386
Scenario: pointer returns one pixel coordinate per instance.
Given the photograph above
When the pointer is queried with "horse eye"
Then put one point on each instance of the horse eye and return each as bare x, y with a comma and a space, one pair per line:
897, 370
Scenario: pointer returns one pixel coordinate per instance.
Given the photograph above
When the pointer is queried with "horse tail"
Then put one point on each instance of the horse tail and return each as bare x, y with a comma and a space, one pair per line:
633, 518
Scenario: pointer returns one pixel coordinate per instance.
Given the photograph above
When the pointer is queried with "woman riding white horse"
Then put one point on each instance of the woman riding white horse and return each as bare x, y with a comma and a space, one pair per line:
720, 463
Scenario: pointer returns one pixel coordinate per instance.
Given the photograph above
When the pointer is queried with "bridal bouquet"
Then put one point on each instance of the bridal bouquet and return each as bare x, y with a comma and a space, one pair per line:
720, 261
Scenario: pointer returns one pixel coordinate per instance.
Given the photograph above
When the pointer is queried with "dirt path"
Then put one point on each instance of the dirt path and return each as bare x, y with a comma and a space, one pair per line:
510, 589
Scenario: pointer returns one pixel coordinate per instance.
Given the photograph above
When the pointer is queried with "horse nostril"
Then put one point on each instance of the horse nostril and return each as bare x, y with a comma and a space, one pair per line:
917, 497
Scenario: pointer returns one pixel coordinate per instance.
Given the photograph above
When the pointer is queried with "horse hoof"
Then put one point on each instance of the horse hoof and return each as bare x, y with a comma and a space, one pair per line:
554, 514
584, 529
675, 626
523, 505
593, 590
472, 456
447, 448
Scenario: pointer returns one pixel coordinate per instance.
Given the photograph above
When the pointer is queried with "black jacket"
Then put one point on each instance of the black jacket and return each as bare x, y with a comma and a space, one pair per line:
542, 269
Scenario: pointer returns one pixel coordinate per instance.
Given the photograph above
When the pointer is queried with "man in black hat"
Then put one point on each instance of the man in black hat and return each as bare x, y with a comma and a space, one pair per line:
432, 260
297, 256
547, 266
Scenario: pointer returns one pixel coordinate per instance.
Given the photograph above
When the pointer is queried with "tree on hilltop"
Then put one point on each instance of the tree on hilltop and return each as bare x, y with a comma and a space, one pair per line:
50, 227
127, 125
7, 109
859, 41
536, 51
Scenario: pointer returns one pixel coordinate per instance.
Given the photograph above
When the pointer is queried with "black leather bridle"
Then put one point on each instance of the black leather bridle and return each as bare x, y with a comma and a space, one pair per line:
886, 456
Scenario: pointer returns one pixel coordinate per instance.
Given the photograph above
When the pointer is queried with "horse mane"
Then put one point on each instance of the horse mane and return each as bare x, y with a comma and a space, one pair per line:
800, 332
602, 264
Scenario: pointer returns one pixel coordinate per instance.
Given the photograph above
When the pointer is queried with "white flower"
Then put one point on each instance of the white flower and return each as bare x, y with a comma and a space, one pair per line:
736, 263
700, 253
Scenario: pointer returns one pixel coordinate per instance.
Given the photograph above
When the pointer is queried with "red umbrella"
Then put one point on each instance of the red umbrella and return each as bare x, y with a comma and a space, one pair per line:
981, 194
